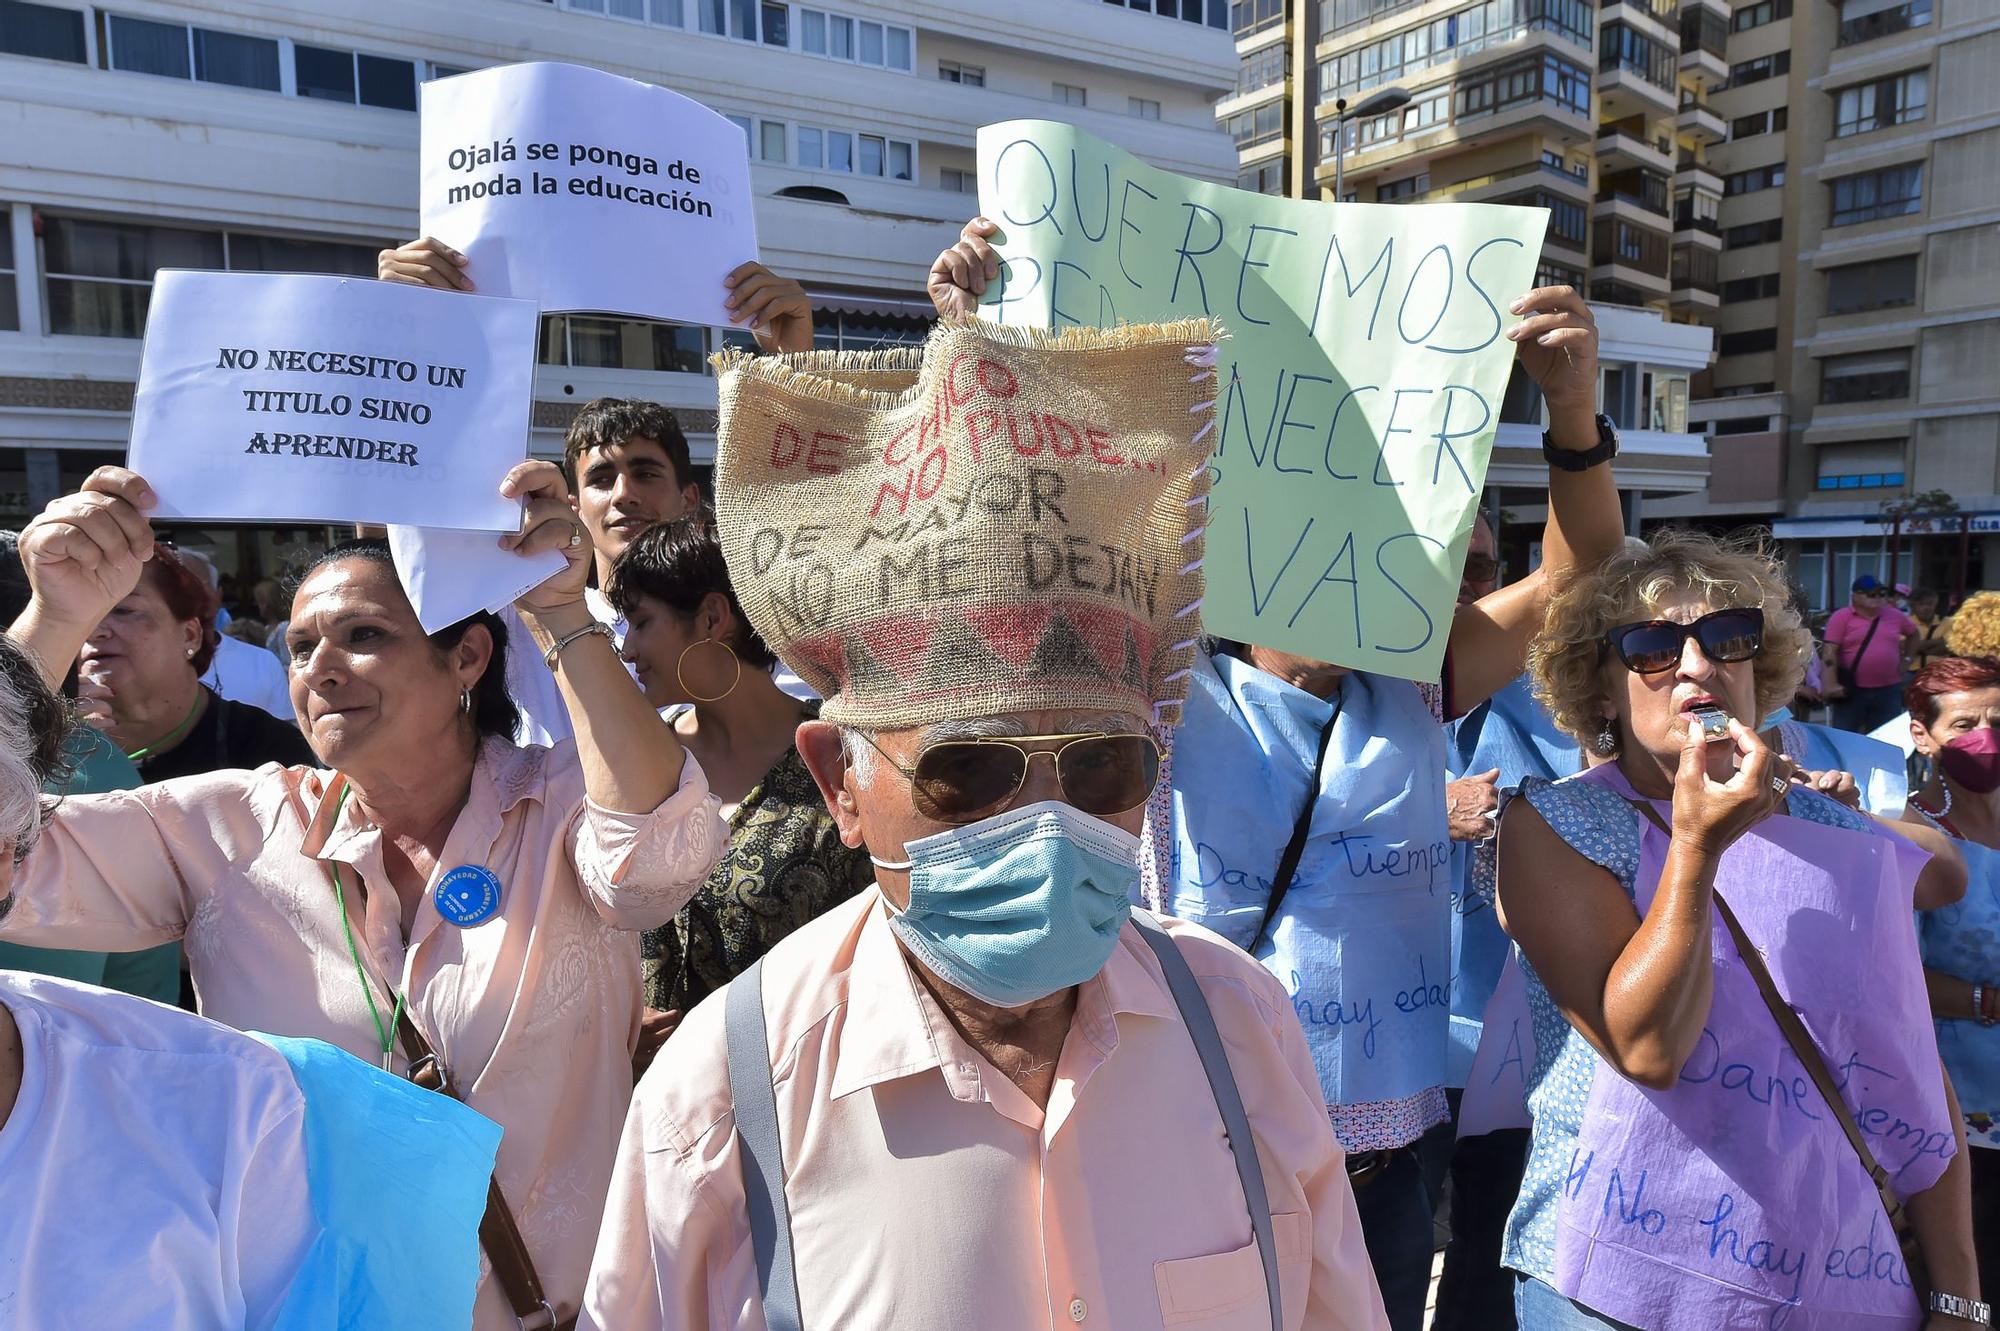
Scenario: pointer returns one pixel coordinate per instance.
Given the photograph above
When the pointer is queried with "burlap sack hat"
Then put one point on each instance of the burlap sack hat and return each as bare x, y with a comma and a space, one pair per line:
1002, 520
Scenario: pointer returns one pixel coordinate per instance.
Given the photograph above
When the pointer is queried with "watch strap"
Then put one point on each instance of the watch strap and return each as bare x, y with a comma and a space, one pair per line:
1967, 1310
1565, 459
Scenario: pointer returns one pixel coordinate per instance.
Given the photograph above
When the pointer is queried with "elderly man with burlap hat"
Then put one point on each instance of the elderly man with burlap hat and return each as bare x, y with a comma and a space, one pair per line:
986, 1093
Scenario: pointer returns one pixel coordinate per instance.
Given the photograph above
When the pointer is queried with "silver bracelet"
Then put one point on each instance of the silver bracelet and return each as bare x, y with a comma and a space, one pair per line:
1966, 1310
1978, 1001
556, 648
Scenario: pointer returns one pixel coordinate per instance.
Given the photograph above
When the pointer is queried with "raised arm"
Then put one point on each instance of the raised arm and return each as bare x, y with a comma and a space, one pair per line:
1556, 343
631, 758
82, 555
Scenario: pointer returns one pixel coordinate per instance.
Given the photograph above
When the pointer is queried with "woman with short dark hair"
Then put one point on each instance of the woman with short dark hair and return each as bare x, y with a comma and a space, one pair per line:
695, 654
440, 890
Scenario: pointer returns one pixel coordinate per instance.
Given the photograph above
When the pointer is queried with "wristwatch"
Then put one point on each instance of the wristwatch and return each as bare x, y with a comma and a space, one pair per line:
1966, 1310
1564, 459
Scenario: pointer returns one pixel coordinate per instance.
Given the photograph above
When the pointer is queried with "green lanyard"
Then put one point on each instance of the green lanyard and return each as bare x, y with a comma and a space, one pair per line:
171, 738
387, 1033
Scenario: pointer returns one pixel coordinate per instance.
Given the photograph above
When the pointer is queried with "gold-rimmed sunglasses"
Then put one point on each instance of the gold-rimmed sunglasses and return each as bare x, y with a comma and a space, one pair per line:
960, 780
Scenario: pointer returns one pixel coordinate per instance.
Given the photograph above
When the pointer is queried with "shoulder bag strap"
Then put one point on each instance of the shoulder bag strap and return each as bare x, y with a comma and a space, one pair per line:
1809, 1056
756, 1108
1200, 1023
499, 1234
1288, 863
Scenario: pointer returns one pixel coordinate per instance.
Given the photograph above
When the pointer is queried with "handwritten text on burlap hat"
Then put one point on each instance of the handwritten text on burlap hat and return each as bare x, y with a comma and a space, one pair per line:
1001, 521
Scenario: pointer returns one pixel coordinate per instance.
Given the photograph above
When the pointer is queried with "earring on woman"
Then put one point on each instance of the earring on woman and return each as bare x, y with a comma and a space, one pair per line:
465, 701
734, 659
1606, 739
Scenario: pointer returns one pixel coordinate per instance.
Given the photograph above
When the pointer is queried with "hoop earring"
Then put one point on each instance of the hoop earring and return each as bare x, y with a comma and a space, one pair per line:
465, 701
1606, 740
681, 679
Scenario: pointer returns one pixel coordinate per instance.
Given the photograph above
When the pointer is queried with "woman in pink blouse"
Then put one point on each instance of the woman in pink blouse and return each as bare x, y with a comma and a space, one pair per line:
488, 892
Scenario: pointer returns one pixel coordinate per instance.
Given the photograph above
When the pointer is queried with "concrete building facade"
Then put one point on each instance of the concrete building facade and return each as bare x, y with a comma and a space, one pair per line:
275, 135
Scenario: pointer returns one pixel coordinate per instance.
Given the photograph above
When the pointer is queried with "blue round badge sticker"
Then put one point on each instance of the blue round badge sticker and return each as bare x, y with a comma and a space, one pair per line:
467, 895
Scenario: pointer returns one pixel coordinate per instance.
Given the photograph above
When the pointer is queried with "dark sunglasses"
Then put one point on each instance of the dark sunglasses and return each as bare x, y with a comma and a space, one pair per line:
1653, 646
1481, 568
960, 780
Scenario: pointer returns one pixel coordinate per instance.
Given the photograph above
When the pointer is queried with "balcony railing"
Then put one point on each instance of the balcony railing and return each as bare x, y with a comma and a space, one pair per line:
1513, 172
1644, 189
1685, 220
1663, 10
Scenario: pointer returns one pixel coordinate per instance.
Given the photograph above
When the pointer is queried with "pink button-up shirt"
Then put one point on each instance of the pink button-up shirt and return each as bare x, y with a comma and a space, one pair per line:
534, 1011
927, 1190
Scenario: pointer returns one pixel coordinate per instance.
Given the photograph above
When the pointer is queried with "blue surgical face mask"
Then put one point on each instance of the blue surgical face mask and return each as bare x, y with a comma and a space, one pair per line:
1018, 906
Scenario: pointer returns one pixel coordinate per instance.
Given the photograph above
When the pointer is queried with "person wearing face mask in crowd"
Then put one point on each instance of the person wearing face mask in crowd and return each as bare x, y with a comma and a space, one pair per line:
1726, 1129
1101, 1118
1954, 709
1284, 765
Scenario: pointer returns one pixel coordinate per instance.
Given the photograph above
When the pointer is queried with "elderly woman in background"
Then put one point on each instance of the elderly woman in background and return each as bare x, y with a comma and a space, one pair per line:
1955, 720
140, 681
696, 655
1685, 1169
441, 890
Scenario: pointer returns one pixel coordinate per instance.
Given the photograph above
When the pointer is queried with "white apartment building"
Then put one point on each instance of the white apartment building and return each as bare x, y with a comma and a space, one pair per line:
282, 136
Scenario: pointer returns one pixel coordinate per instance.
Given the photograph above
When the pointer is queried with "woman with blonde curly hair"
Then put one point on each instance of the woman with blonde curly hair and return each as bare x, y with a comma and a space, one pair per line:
1686, 1169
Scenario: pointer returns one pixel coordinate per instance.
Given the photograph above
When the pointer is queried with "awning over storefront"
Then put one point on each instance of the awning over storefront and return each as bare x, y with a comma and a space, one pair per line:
1874, 524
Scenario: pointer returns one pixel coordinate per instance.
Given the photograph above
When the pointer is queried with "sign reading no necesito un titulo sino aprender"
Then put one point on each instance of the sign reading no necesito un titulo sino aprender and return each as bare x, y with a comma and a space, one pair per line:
1358, 391
267, 397
587, 191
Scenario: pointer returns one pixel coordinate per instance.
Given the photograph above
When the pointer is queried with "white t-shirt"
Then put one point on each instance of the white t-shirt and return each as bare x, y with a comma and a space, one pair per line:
152, 1171
244, 672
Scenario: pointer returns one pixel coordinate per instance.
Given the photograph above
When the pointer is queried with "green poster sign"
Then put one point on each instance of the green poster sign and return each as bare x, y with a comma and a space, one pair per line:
1358, 388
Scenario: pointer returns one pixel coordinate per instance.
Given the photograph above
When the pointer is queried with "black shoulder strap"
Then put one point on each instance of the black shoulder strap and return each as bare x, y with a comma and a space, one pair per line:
1288, 863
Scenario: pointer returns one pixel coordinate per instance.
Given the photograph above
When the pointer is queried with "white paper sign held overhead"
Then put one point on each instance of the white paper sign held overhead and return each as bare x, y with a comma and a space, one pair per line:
449, 575
587, 191
276, 398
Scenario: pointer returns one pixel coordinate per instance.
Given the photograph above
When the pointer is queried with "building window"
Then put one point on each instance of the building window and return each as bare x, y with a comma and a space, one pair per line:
1754, 233
838, 37
1882, 103
1881, 285
1558, 275
42, 31
178, 51
1266, 178
1757, 15
1456, 36
346, 76
821, 149
10, 306
1762, 287
1763, 67
665, 13
1894, 191
1250, 128
1757, 178
1069, 94
1253, 16
1262, 68
957, 181
621, 344
770, 140
1869, 464
1145, 108
1409, 187
951, 71
99, 275
1872, 376
1213, 12
1762, 122
1865, 20
1628, 48
1746, 342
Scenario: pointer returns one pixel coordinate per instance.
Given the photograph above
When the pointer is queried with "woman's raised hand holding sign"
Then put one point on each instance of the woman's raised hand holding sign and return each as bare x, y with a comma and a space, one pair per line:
83, 552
